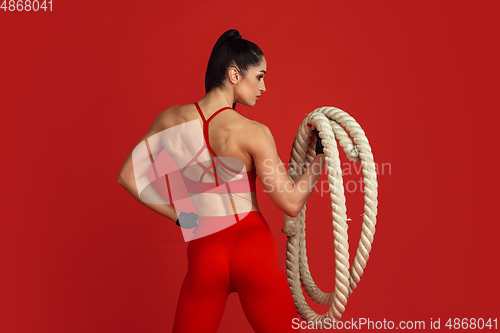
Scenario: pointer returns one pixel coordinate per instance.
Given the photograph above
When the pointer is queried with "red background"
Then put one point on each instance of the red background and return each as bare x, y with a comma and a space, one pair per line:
80, 86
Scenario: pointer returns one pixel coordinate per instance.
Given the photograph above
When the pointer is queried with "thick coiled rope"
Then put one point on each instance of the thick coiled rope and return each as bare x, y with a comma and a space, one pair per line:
332, 124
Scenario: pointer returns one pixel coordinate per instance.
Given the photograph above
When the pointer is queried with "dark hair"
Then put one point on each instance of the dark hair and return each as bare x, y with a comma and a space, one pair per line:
230, 50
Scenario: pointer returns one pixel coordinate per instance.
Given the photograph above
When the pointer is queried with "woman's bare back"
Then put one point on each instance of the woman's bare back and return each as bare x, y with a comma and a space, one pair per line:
228, 133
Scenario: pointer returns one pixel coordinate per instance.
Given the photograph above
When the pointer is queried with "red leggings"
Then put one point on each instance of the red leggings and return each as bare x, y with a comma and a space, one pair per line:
242, 259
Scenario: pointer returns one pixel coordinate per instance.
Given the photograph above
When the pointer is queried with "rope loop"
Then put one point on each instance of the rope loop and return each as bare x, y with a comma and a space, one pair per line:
332, 124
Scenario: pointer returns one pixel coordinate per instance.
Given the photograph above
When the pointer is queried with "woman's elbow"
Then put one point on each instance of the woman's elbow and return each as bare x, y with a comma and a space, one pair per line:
287, 204
122, 180
292, 209
295, 212
126, 176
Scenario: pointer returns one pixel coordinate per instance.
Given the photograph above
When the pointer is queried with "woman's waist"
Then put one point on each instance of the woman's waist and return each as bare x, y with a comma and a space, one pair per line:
238, 216
218, 204
228, 227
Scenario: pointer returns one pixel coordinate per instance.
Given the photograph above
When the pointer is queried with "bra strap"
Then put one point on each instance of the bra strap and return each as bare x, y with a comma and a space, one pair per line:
201, 113
217, 112
205, 124
212, 116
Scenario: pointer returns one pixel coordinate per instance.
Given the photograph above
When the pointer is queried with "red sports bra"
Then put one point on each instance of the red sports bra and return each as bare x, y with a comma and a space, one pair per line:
241, 185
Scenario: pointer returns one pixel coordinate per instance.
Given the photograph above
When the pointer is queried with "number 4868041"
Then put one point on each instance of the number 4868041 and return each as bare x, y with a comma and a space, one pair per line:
26, 5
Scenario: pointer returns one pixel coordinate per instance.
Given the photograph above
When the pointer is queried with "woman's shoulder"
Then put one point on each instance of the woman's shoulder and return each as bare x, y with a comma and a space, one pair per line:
173, 115
251, 133
254, 126
245, 125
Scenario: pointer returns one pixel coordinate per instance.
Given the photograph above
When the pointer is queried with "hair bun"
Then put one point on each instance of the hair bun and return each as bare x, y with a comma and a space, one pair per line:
233, 35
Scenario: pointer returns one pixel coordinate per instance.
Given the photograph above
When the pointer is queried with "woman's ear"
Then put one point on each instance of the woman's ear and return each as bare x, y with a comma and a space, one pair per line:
234, 75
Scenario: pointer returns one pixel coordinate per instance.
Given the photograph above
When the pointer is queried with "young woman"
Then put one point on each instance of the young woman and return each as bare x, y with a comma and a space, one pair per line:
239, 255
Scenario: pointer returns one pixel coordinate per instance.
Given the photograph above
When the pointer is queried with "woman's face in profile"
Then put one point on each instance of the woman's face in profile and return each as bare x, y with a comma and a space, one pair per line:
252, 84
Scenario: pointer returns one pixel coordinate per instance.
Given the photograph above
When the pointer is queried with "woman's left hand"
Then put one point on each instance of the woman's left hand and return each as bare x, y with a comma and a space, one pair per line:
187, 220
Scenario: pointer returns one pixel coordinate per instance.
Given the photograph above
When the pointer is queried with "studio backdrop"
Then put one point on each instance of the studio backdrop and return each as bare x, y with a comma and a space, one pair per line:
81, 82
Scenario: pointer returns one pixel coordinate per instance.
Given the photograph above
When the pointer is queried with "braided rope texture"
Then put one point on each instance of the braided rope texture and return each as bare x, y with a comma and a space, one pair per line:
332, 124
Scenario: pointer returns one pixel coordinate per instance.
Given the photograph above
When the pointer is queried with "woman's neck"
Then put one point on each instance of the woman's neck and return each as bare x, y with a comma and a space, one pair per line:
216, 99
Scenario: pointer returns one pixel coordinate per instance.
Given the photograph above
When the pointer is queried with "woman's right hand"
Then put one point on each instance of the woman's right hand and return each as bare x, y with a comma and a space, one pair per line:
319, 146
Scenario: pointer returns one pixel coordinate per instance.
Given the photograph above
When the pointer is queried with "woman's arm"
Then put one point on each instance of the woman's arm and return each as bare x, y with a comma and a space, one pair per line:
143, 154
288, 196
